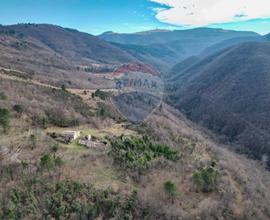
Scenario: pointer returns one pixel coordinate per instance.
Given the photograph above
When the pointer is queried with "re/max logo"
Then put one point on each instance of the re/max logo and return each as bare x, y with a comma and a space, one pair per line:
138, 83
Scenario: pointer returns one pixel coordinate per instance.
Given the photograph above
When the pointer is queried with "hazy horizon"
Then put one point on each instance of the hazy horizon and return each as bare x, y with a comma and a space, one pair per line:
98, 16
154, 29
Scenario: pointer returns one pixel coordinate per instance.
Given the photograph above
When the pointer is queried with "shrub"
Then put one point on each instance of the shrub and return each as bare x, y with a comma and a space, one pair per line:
170, 189
63, 87
55, 148
101, 112
4, 119
46, 162
3, 96
32, 141
18, 109
101, 94
205, 180
49, 162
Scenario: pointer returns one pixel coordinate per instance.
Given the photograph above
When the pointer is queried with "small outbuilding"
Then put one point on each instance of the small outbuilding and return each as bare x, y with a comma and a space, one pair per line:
72, 135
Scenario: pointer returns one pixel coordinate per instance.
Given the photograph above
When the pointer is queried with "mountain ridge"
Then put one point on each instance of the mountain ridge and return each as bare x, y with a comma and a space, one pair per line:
227, 93
178, 44
58, 55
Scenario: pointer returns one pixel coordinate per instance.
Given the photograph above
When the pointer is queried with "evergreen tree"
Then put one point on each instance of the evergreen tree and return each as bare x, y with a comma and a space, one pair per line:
4, 119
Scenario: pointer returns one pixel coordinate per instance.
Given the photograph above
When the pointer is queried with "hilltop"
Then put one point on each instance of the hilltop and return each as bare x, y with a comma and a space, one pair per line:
57, 55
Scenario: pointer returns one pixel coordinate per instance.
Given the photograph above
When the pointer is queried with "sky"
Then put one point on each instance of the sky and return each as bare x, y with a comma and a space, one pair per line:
126, 16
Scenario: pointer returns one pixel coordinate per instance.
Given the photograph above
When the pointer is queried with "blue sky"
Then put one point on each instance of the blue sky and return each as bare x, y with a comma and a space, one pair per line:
97, 16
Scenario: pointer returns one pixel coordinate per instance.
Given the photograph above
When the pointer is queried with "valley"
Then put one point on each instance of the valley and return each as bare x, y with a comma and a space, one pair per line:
68, 149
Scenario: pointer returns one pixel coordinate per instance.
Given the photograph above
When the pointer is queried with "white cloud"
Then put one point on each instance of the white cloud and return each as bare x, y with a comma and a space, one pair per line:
206, 12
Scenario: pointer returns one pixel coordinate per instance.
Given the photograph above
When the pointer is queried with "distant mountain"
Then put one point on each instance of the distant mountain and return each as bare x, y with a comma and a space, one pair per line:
182, 66
166, 48
267, 36
159, 37
228, 93
229, 43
